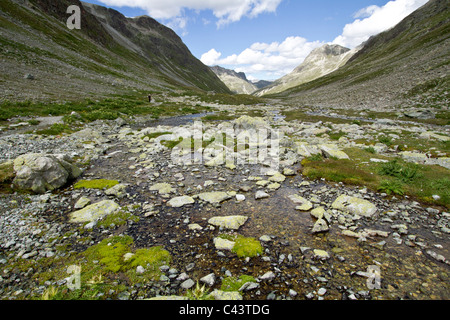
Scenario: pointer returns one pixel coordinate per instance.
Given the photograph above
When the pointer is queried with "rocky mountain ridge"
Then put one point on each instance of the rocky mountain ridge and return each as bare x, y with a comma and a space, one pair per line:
110, 54
319, 62
237, 82
404, 66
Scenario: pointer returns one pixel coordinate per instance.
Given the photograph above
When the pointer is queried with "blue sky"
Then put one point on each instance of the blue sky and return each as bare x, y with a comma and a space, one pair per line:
267, 39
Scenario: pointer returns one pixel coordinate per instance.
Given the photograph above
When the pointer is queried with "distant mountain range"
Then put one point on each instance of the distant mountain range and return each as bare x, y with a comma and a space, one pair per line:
406, 65
237, 82
320, 62
110, 54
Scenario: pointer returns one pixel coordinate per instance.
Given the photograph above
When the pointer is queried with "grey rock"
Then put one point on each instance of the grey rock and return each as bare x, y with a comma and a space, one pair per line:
261, 195
249, 286
355, 206
180, 201
322, 291
182, 277
267, 276
309, 296
422, 114
190, 267
209, 280
189, 283
226, 296
118, 191
223, 244
320, 226
82, 203
140, 270
214, 197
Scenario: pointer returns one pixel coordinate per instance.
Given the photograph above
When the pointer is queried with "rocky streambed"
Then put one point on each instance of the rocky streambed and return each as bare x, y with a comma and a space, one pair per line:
242, 230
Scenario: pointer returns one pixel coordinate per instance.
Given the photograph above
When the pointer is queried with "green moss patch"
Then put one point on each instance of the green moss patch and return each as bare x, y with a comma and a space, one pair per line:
110, 253
244, 247
6, 176
151, 259
231, 284
117, 219
171, 144
156, 135
56, 129
107, 269
397, 176
95, 184
247, 247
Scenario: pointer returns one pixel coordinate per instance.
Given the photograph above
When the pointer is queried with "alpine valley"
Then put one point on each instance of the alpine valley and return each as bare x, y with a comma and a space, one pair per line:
129, 170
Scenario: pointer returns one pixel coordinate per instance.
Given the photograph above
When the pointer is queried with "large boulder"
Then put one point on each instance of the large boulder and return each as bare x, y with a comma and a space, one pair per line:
355, 206
306, 150
332, 151
420, 114
39, 173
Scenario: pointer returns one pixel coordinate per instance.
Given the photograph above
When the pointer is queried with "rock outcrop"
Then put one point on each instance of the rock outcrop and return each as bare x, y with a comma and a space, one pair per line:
44, 172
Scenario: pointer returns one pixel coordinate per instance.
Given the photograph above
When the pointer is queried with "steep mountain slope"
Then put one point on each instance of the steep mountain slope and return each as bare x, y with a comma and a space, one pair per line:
405, 66
262, 83
320, 62
111, 54
236, 82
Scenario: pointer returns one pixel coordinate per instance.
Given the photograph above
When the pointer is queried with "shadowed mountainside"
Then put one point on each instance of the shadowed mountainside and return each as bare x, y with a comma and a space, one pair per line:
109, 55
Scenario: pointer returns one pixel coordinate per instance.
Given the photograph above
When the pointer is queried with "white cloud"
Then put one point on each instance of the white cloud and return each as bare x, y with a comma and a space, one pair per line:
366, 12
226, 11
274, 60
373, 20
211, 57
265, 60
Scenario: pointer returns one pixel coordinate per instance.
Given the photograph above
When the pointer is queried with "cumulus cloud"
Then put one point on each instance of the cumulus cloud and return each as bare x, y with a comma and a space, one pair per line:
274, 60
265, 60
211, 57
374, 19
226, 11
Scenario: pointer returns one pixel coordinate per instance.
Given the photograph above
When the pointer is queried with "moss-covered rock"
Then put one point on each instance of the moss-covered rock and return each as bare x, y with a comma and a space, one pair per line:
163, 188
117, 219
242, 246
6, 175
214, 197
94, 212
118, 191
231, 222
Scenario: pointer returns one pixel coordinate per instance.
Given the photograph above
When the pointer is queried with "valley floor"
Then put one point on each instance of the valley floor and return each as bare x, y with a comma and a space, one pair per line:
388, 238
